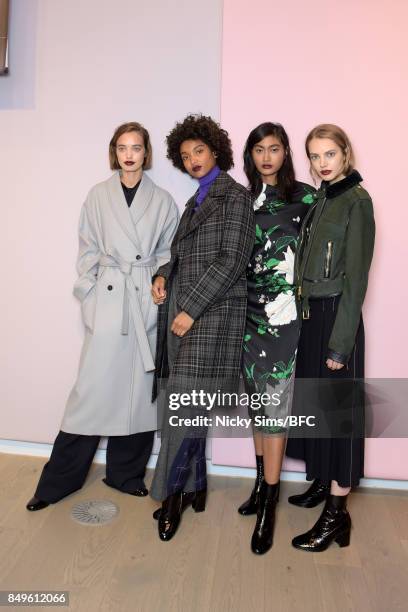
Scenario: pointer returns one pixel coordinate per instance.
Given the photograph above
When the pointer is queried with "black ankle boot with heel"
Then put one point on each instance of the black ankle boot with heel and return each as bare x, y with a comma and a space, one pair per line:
250, 506
315, 495
169, 515
262, 537
196, 499
333, 525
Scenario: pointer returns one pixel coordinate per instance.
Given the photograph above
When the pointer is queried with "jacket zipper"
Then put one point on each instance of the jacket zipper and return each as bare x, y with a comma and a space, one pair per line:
300, 270
304, 235
328, 259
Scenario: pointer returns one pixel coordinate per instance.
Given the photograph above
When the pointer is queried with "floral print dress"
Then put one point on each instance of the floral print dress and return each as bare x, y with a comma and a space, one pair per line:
272, 326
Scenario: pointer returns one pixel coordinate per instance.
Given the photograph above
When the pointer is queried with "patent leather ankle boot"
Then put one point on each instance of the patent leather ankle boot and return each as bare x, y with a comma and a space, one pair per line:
250, 506
315, 495
196, 499
334, 524
170, 516
174, 506
262, 537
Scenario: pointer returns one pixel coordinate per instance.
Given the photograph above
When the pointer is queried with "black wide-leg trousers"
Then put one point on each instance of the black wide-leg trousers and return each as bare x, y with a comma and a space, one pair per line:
72, 456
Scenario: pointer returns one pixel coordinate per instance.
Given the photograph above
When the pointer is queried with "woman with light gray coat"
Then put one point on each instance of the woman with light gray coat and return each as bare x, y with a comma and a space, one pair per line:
126, 228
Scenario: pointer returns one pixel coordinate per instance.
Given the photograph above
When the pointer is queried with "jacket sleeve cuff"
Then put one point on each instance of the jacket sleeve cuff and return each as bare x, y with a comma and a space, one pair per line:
339, 357
156, 275
162, 271
83, 286
193, 310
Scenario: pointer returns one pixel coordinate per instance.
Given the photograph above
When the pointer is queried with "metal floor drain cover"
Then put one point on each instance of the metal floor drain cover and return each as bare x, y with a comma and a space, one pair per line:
95, 512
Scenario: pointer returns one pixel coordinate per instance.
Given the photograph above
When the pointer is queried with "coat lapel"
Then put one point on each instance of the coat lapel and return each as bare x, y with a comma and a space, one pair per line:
214, 197
142, 198
120, 208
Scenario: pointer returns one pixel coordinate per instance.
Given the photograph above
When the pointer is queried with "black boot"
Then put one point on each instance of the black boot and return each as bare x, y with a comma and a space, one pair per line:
170, 516
196, 499
36, 504
172, 509
139, 491
250, 506
315, 495
262, 537
333, 524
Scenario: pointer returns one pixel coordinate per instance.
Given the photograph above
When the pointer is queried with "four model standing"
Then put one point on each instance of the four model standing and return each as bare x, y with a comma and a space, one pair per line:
208, 328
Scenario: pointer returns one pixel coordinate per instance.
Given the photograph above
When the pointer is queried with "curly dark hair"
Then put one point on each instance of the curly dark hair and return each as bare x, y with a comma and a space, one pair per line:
199, 127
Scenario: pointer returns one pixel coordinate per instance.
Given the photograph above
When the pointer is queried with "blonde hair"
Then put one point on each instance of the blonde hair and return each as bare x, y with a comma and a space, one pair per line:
339, 136
125, 128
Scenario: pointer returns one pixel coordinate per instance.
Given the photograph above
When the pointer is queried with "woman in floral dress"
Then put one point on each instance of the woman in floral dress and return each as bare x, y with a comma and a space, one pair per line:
272, 328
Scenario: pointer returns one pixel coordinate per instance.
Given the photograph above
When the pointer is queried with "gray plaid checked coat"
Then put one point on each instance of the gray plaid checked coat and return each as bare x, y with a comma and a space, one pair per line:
210, 252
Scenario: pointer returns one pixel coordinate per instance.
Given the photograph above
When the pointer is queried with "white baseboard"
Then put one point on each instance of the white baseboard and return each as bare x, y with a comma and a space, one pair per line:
36, 449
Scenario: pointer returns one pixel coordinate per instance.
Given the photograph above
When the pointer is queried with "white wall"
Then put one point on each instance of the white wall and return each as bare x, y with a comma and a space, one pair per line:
96, 65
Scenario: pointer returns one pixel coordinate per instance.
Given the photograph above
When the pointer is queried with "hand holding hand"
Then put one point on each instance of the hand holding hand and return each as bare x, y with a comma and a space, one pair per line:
181, 324
158, 291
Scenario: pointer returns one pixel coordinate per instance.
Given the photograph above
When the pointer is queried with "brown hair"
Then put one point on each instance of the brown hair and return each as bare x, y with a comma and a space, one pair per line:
125, 128
339, 136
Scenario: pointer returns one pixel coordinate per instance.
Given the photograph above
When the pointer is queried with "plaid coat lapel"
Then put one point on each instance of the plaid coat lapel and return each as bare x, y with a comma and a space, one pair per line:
214, 198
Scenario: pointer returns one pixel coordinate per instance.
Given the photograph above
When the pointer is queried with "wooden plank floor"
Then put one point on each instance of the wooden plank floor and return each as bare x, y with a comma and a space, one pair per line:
208, 566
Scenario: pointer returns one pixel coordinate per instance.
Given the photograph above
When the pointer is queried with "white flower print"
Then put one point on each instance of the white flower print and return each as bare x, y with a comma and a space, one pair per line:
261, 299
286, 267
258, 268
267, 245
260, 199
281, 310
263, 354
297, 219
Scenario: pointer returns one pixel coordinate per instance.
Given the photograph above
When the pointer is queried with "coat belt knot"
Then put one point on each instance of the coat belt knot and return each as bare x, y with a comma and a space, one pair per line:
125, 267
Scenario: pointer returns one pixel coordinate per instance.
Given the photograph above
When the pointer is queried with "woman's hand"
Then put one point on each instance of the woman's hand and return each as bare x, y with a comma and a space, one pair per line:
158, 291
334, 365
181, 324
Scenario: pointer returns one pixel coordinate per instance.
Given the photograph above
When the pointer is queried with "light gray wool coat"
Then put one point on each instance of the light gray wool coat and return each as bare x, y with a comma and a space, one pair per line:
120, 248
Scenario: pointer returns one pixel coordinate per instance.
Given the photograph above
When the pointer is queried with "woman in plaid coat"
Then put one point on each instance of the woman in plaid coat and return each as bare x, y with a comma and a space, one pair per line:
202, 292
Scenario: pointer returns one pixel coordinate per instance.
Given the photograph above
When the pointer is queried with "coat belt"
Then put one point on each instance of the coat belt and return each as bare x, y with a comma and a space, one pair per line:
130, 298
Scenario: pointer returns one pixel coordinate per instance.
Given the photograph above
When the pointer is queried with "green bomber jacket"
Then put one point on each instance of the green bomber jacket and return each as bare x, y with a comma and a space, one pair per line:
334, 254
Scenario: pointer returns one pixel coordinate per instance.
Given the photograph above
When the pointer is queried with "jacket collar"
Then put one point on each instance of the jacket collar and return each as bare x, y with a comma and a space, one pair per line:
332, 191
217, 190
214, 197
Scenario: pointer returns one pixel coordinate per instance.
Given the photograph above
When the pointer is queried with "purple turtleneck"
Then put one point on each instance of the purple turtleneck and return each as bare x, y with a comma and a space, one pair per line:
205, 184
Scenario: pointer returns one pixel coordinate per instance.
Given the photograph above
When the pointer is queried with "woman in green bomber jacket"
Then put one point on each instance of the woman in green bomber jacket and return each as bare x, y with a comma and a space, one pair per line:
331, 274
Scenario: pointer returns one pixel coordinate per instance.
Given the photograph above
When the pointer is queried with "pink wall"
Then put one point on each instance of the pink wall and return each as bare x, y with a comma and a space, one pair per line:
302, 63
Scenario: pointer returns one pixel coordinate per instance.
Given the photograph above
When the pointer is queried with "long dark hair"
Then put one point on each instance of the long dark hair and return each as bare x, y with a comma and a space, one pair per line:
286, 175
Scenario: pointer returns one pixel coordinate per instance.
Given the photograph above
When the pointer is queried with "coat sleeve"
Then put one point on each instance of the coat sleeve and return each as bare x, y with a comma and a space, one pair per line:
88, 256
226, 269
166, 238
165, 269
359, 252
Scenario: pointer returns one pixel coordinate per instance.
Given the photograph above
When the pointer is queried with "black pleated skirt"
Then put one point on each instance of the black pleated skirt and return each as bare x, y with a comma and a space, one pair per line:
330, 457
